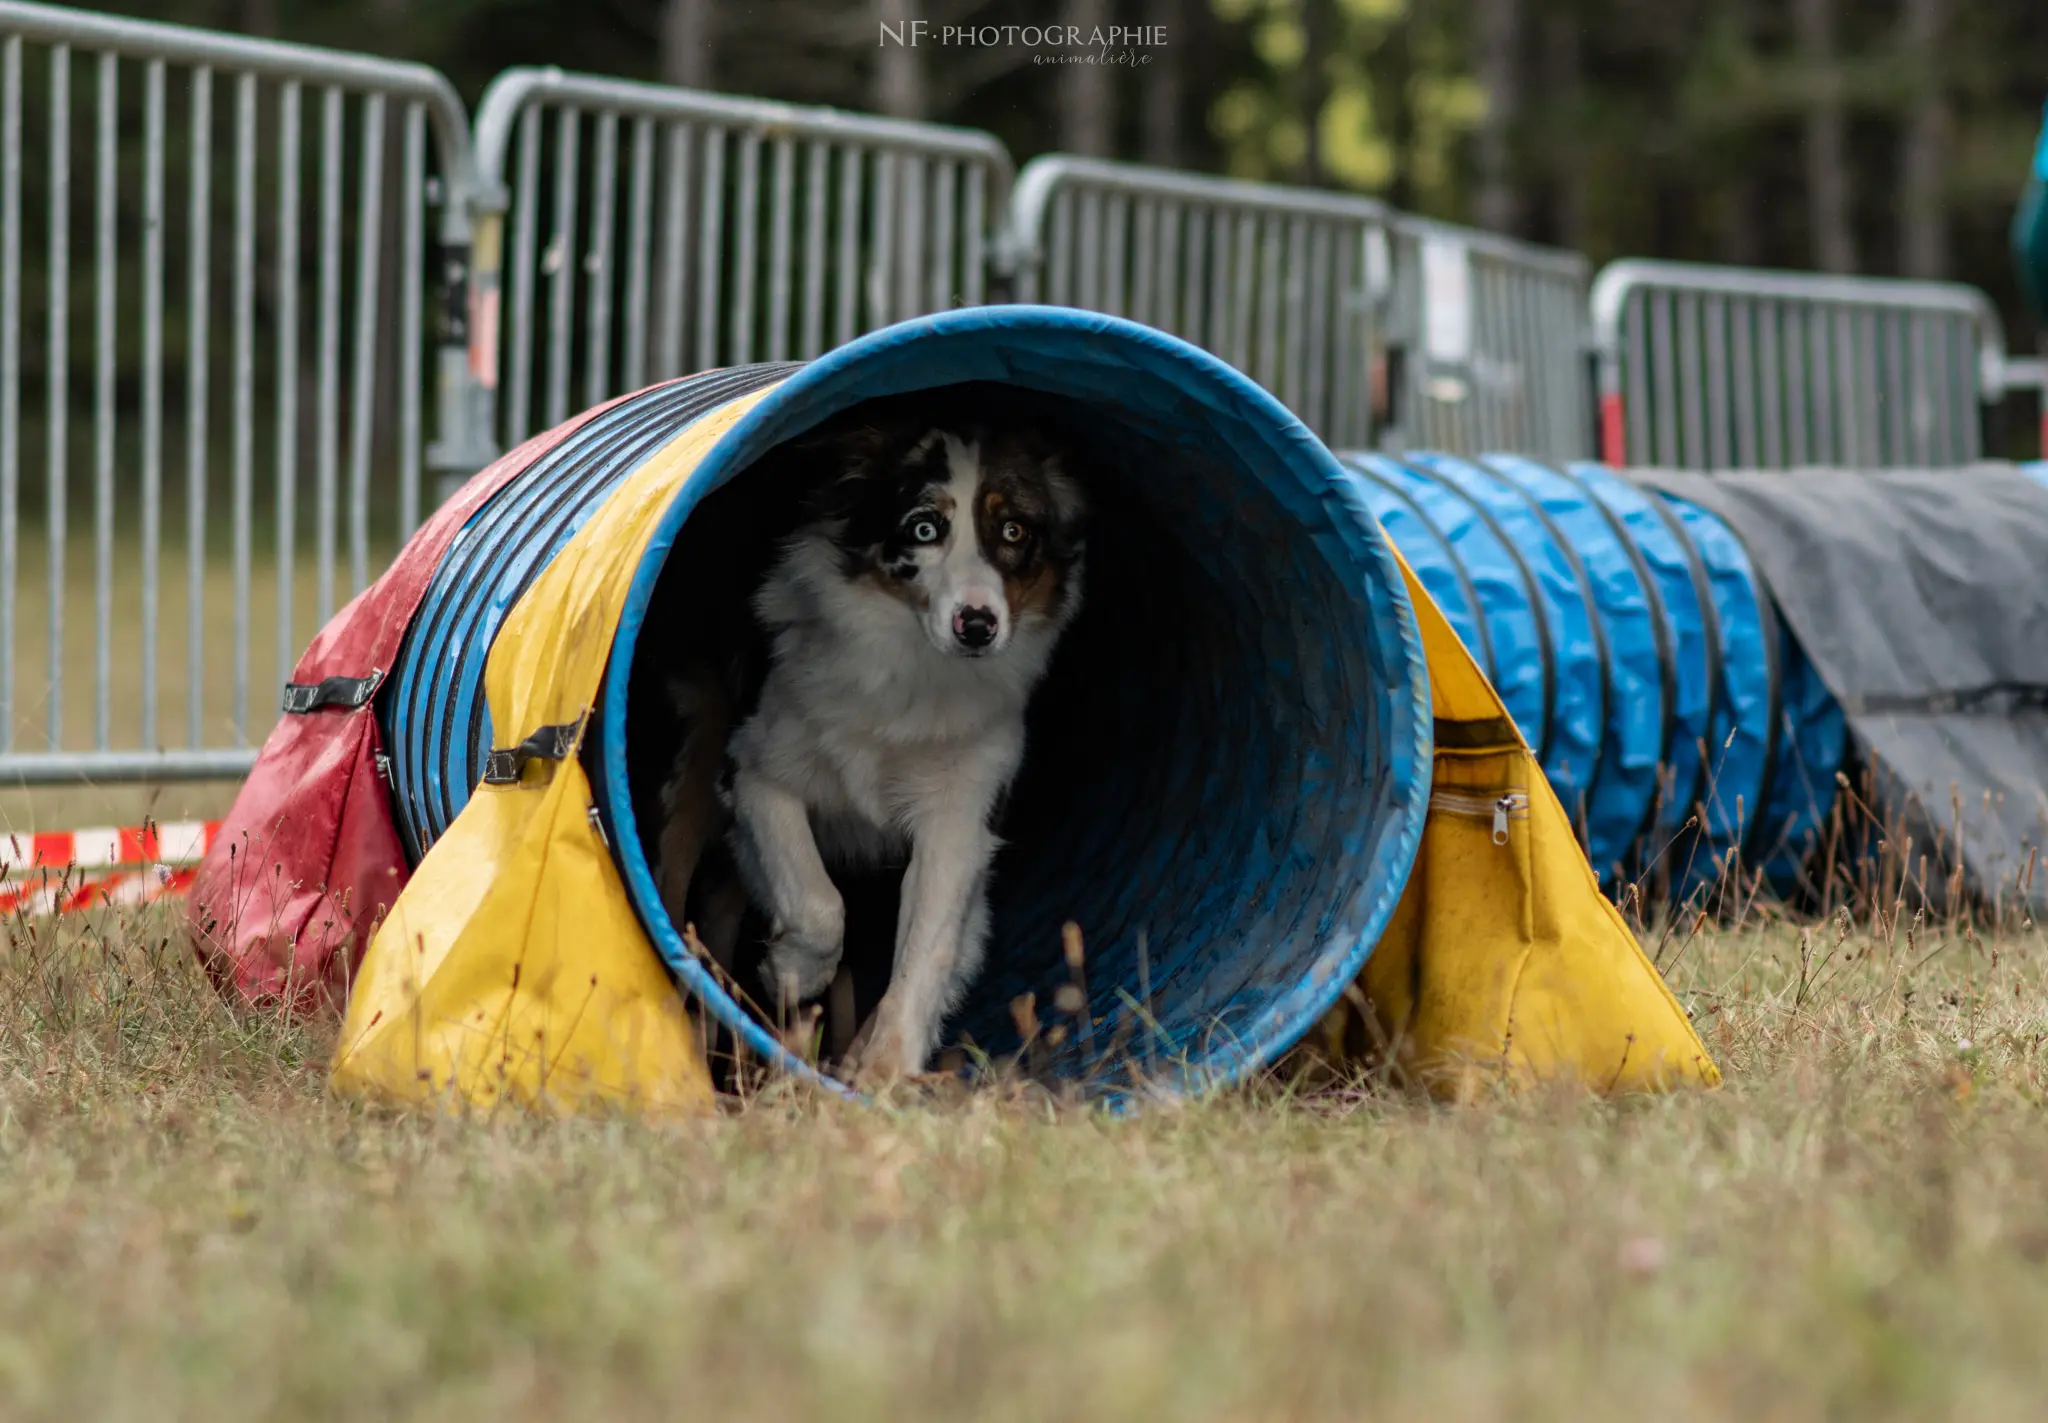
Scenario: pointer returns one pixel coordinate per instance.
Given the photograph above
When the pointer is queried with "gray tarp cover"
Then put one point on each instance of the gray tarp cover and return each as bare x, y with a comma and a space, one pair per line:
1922, 599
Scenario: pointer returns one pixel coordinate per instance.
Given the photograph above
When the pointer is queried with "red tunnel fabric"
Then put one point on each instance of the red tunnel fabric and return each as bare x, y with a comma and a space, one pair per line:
309, 859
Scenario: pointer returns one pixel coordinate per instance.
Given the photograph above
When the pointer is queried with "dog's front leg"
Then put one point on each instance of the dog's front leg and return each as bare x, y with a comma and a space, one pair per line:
778, 857
940, 930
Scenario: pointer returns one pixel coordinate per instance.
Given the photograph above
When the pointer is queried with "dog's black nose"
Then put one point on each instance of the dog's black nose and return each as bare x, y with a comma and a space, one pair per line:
975, 627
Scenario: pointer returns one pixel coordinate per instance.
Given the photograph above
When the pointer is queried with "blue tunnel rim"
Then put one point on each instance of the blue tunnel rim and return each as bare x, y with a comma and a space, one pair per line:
781, 412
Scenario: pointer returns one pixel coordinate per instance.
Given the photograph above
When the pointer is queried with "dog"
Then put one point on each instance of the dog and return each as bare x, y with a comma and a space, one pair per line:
906, 621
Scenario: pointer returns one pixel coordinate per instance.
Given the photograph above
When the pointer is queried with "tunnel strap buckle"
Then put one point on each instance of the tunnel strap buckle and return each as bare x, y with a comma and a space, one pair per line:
550, 743
348, 693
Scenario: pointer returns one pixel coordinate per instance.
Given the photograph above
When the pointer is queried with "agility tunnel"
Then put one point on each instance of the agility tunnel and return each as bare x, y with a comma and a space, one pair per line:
1261, 769
1635, 643
1916, 598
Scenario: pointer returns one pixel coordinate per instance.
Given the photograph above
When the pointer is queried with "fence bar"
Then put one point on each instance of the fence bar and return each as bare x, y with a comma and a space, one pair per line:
363, 394
710, 220
10, 371
328, 416
411, 332
106, 193
675, 272
746, 221
561, 266
639, 237
781, 240
59, 348
245, 387
817, 167
288, 219
846, 270
198, 304
597, 265
525, 222
152, 380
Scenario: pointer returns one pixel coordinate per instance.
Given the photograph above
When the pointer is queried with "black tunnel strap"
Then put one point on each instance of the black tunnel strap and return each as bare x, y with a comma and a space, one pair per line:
1494, 733
550, 743
1999, 698
348, 693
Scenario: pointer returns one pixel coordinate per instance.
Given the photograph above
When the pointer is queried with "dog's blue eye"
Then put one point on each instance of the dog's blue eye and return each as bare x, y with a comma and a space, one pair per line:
925, 531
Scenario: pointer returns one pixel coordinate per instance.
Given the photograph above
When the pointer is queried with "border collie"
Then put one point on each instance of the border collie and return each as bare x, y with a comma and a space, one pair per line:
907, 621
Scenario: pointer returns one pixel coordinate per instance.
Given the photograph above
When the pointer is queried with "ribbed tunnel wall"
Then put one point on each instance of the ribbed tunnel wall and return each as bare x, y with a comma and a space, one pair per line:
1634, 644
1229, 760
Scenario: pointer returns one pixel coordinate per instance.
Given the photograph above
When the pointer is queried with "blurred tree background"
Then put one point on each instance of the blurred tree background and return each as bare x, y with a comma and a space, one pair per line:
1882, 136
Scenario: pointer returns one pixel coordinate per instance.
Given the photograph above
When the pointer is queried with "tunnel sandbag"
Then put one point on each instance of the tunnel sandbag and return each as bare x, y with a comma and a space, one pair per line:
1505, 964
1916, 598
1229, 760
1579, 589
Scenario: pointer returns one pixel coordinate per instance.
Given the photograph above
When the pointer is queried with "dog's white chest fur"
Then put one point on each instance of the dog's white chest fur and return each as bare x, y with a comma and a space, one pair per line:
870, 726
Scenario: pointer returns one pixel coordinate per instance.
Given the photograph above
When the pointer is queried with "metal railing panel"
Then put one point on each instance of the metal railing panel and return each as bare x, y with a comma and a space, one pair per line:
212, 290
1781, 369
635, 232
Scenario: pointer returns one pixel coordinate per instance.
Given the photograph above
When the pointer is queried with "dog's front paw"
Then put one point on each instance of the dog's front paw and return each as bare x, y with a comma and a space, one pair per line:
883, 1053
803, 956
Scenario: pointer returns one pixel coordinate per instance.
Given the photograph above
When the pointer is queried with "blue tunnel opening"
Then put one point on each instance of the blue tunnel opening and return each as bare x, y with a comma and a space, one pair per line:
1228, 763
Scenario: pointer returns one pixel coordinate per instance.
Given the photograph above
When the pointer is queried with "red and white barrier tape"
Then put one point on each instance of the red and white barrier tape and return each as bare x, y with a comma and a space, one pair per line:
151, 862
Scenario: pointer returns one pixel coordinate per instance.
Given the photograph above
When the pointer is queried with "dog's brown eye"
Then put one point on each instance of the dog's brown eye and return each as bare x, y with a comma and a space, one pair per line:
1013, 532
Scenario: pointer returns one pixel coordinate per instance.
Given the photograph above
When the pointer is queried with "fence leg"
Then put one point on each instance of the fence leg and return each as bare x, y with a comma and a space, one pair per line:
467, 362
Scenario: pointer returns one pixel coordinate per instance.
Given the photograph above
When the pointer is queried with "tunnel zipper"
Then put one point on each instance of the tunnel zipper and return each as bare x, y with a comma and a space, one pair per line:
1480, 805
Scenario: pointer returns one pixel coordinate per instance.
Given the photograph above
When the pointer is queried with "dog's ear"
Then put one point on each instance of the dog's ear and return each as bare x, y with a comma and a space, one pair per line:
844, 458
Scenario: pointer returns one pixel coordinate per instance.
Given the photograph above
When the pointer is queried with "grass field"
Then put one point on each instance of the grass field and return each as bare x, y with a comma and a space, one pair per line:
1854, 1227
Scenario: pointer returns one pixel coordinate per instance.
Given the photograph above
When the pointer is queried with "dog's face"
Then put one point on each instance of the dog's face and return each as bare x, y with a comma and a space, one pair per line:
975, 530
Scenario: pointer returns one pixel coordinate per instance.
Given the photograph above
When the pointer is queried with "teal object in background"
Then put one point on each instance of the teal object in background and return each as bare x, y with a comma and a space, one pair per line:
2030, 230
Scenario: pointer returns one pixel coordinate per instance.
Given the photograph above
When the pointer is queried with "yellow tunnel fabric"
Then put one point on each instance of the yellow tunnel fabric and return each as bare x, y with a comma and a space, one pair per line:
1504, 964
512, 965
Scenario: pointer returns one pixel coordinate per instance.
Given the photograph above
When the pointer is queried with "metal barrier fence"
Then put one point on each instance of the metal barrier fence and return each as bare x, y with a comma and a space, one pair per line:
1721, 367
1285, 284
703, 231
1376, 328
238, 292
193, 207
1492, 343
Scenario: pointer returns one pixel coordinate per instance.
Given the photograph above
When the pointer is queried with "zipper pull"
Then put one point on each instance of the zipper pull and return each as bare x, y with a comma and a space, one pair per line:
383, 764
1501, 809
